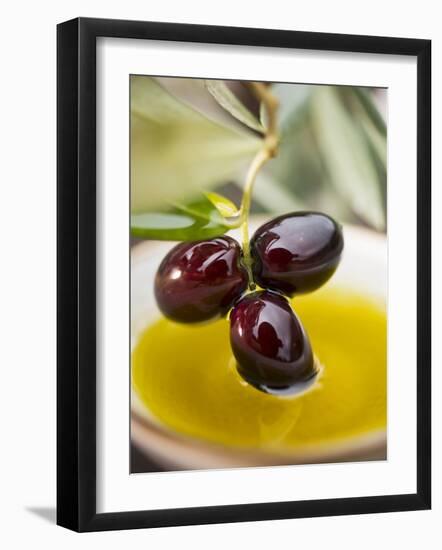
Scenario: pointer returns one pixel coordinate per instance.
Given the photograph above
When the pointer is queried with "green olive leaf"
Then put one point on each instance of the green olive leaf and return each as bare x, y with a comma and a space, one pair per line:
225, 207
233, 105
365, 114
173, 227
274, 197
370, 109
348, 159
293, 103
199, 219
176, 150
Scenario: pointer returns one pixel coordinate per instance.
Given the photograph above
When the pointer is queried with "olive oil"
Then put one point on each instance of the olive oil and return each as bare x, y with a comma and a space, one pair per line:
186, 377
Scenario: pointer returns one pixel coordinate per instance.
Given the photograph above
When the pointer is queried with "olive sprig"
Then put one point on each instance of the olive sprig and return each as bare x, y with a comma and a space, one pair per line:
292, 254
268, 150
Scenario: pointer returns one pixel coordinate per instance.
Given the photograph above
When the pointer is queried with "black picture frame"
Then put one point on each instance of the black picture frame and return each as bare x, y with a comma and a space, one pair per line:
76, 273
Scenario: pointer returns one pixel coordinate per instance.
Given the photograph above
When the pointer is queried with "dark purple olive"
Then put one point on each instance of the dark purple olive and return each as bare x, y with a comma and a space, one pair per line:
296, 253
198, 281
271, 348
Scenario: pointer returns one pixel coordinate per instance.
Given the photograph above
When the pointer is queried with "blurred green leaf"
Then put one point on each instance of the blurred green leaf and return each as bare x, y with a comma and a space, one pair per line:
366, 115
377, 141
370, 108
225, 206
198, 220
298, 167
347, 158
293, 104
233, 105
273, 196
176, 150
377, 146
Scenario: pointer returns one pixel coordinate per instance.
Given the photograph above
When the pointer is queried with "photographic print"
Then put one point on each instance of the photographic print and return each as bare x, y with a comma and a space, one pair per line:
258, 273
230, 328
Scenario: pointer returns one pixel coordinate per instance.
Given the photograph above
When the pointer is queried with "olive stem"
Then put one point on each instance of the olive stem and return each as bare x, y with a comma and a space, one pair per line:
268, 150
260, 159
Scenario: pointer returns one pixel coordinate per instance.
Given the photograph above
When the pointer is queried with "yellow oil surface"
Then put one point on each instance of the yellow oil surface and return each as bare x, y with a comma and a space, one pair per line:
186, 376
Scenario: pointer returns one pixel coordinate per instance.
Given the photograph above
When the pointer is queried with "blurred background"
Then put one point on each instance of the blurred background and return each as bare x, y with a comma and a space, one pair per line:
189, 136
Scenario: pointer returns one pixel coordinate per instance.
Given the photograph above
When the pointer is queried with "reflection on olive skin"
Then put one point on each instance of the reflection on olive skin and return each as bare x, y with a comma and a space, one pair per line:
269, 343
200, 281
296, 253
